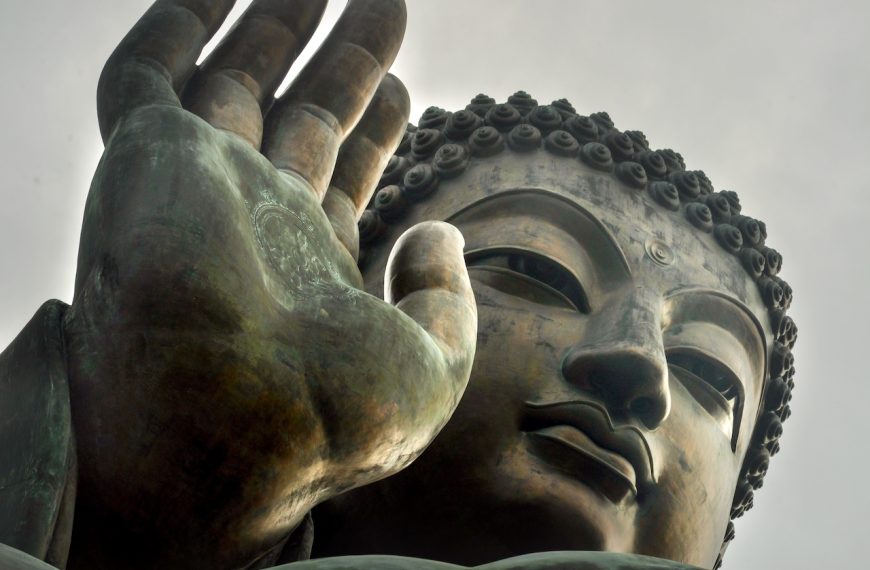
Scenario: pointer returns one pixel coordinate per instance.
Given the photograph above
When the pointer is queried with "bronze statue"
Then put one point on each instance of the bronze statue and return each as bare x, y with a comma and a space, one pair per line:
220, 371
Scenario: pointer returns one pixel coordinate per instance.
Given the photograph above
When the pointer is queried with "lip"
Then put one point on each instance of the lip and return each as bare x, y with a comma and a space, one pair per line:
578, 436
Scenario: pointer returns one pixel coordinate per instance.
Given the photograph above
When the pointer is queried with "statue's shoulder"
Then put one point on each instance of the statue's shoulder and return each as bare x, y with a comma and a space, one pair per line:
574, 560
37, 466
568, 560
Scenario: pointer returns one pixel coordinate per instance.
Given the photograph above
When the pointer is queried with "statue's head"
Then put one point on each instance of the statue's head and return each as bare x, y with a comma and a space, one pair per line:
633, 362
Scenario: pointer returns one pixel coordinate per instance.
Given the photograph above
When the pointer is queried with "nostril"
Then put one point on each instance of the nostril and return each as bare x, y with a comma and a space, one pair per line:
647, 411
628, 380
641, 406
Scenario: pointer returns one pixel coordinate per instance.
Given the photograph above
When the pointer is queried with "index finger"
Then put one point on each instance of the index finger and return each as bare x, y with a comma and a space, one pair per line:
156, 57
307, 125
242, 73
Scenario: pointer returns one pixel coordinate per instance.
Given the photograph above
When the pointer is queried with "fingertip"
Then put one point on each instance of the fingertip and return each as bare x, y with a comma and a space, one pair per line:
427, 279
300, 16
388, 17
394, 90
429, 255
449, 233
387, 115
429, 237
395, 11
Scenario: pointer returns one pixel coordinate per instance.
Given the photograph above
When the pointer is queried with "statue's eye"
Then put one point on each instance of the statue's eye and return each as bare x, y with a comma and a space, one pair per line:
531, 276
712, 384
711, 372
545, 271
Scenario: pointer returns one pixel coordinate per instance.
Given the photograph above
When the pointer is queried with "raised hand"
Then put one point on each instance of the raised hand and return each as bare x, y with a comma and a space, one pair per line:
226, 371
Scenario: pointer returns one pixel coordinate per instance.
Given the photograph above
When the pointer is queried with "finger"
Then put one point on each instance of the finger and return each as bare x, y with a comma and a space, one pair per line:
427, 279
244, 71
363, 157
156, 57
305, 128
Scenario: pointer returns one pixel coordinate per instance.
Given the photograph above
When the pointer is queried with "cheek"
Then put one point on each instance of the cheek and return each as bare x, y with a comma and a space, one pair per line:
520, 346
518, 357
697, 474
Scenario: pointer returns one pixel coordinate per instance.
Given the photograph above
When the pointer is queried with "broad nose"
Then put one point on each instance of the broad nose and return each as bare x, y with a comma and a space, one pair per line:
624, 364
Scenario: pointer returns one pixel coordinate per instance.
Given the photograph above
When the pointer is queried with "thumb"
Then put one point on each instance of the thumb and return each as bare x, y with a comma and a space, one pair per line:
426, 278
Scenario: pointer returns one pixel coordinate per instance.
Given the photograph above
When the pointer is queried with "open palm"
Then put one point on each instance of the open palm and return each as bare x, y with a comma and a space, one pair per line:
217, 325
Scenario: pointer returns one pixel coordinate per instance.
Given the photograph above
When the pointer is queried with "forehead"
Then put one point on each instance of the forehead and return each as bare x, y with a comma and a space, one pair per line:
554, 202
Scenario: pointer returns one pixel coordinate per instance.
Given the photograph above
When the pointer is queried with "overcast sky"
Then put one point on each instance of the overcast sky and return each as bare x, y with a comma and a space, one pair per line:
769, 98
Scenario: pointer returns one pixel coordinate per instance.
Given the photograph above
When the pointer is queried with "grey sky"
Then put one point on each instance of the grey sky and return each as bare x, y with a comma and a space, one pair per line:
769, 98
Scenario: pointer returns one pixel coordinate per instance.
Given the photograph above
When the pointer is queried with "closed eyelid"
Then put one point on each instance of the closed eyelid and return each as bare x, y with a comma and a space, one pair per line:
726, 412
502, 258
718, 347
719, 314
714, 343
547, 222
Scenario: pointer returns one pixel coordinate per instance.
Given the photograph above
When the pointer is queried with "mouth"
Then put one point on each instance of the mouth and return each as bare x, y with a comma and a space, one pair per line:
578, 438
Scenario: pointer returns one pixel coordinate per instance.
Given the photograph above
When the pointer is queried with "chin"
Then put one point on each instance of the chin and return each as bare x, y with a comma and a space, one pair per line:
542, 507
443, 508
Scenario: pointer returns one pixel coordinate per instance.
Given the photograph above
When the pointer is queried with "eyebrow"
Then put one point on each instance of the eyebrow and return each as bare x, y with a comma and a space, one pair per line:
757, 328
590, 234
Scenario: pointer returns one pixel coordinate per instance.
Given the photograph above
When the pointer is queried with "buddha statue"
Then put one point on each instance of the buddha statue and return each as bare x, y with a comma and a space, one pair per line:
632, 347
512, 336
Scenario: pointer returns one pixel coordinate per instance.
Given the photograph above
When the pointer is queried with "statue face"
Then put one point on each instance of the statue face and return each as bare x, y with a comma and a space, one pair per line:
619, 369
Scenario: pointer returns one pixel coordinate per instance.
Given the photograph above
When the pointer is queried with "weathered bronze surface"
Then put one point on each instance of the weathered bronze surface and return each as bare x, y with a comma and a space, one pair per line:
582, 418
226, 365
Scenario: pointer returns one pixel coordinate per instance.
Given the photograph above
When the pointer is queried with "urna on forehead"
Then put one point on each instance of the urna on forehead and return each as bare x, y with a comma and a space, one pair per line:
518, 151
